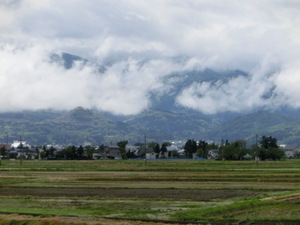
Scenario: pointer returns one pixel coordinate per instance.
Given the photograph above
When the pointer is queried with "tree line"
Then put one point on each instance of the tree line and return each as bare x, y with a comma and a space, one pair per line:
265, 148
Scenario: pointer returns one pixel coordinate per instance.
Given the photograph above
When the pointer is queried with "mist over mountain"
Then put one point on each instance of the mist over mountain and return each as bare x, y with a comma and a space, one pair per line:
168, 69
166, 117
169, 92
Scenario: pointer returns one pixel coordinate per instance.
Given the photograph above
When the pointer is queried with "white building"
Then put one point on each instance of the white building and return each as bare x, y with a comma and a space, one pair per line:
17, 144
151, 155
213, 154
290, 151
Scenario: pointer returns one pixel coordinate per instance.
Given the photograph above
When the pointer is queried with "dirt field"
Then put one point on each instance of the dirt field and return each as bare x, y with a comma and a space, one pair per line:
59, 220
190, 194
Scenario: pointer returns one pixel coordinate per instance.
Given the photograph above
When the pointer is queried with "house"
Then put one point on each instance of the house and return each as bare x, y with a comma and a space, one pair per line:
19, 144
181, 152
290, 151
21, 149
108, 152
151, 155
133, 149
247, 157
142, 151
213, 154
28, 154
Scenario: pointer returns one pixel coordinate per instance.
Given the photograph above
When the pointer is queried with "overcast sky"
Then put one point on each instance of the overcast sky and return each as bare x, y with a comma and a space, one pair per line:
260, 37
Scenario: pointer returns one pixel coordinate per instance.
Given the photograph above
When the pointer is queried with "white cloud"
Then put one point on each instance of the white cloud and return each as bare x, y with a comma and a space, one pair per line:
236, 95
34, 83
287, 86
259, 37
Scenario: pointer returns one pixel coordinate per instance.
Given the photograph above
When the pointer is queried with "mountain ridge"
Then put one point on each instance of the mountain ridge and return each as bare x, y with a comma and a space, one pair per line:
84, 125
165, 120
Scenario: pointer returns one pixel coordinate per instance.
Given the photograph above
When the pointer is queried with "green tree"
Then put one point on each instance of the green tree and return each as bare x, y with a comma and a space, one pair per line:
45, 153
122, 146
275, 153
235, 150
156, 148
89, 151
163, 149
69, 152
167, 143
164, 146
190, 147
80, 151
262, 153
297, 155
74, 154
268, 142
51, 152
212, 146
269, 149
3, 151
202, 150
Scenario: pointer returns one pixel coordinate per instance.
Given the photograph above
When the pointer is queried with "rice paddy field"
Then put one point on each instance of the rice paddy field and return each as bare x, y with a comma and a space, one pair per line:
121, 192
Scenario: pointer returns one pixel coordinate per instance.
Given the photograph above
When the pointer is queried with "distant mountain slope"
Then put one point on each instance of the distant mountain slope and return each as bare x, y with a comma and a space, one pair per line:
176, 125
82, 125
285, 128
75, 127
68, 61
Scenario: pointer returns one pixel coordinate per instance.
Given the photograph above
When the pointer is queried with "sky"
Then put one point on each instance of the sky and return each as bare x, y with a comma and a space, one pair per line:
142, 38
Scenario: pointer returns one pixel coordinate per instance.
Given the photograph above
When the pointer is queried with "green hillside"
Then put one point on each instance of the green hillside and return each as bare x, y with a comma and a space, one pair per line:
82, 125
75, 127
178, 125
285, 128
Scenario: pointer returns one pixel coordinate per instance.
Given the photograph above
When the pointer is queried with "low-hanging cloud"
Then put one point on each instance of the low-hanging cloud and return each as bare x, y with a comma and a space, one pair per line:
141, 38
40, 84
239, 94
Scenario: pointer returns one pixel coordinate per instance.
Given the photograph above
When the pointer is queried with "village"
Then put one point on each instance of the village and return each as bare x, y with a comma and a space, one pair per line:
22, 149
172, 150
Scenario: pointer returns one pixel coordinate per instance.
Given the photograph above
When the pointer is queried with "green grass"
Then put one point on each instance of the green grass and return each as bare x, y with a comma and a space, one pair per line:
220, 212
238, 209
138, 165
277, 182
133, 208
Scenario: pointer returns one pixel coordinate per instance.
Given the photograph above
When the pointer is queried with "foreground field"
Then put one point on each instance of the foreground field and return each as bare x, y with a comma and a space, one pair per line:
138, 192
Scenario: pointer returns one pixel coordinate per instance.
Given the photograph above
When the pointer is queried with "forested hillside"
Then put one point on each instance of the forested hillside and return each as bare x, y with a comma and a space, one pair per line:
83, 125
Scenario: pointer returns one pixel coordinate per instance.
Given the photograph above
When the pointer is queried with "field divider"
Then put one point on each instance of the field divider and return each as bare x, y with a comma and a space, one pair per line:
118, 218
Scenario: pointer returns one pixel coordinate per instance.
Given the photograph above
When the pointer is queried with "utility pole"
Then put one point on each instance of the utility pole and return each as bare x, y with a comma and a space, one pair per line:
256, 146
21, 149
222, 144
145, 160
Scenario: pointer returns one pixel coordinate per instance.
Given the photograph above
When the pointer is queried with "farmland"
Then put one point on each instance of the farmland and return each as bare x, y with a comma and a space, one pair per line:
138, 192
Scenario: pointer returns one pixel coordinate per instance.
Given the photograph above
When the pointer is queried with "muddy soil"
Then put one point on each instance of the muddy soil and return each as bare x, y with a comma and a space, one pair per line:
42, 220
192, 194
